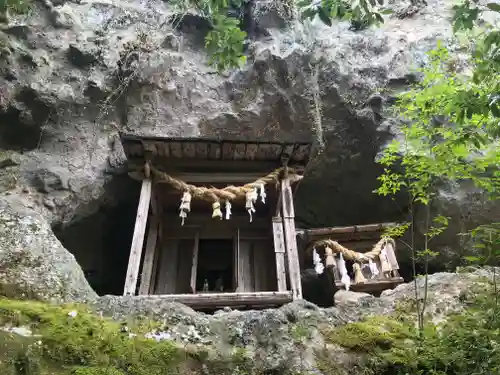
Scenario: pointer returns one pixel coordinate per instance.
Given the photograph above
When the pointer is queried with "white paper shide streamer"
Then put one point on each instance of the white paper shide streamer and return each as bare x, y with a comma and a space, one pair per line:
262, 192
185, 206
318, 265
373, 269
227, 205
251, 198
344, 277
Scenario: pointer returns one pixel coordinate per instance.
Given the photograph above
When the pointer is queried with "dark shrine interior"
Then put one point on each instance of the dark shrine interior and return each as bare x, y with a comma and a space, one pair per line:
215, 266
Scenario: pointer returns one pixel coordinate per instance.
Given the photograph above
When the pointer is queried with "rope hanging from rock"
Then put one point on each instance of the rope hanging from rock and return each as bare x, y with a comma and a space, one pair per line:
250, 192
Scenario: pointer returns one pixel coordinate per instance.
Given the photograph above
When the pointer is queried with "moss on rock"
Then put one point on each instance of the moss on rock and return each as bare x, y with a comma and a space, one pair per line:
78, 342
73, 340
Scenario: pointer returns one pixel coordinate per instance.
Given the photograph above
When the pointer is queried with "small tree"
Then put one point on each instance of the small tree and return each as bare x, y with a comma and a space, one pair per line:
486, 240
450, 136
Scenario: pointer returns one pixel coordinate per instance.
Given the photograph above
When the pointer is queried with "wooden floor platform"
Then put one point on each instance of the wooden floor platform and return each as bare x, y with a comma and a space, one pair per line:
257, 300
374, 286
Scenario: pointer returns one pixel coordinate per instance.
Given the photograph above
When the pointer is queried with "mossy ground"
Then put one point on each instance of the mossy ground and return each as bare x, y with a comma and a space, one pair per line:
466, 343
88, 344
82, 345
63, 343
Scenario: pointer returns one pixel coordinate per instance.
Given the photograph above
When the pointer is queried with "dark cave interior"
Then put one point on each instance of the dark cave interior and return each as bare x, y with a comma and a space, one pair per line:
101, 242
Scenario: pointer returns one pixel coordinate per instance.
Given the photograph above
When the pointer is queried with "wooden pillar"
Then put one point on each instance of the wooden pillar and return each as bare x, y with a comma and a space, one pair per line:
157, 211
138, 239
290, 238
149, 257
279, 251
194, 264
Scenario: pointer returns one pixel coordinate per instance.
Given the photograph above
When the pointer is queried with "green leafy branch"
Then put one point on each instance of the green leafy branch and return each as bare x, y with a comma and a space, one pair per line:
361, 13
225, 40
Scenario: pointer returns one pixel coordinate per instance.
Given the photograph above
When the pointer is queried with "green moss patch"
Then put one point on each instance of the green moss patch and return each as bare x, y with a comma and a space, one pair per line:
466, 343
371, 334
84, 344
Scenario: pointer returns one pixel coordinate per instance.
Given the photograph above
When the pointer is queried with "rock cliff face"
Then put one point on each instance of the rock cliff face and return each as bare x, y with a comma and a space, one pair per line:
73, 74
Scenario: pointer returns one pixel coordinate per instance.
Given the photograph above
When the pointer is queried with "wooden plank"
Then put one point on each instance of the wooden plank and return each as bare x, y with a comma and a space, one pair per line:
370, 286
260, 265
251, 151
159, 149
391, 256
236, 257
189, 150
218, 177
138, 239
222, 166
156, 260
171, 260
166, 150
288, 214
194, 268
263, 152
228, 151
378, 228
279, 250
149, 147
220, 300
245, 271
176, 150
239, 151
147, 266
185, 263
214, 151
154, 200
167, 279
201, 150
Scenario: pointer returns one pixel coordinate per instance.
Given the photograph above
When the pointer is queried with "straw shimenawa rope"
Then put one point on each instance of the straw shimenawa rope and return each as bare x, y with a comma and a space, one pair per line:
213, 194
351, 254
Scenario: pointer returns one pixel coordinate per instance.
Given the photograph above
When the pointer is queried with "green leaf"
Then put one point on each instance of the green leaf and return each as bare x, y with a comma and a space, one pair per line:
324, 17
494, 7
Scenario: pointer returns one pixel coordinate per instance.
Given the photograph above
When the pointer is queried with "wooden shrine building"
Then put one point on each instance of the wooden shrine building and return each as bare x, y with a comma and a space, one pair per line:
360, 245
203, 235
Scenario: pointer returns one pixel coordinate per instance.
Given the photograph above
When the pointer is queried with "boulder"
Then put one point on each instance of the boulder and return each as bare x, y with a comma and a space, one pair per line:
33, 263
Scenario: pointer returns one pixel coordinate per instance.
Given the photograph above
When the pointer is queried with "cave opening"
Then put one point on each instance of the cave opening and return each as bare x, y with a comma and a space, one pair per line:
16, 133
101, 241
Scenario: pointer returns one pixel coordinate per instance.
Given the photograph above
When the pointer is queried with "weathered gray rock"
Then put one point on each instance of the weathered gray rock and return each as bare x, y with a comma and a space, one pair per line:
33, 263
290, 338
73, 74
343, 297
119, 65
